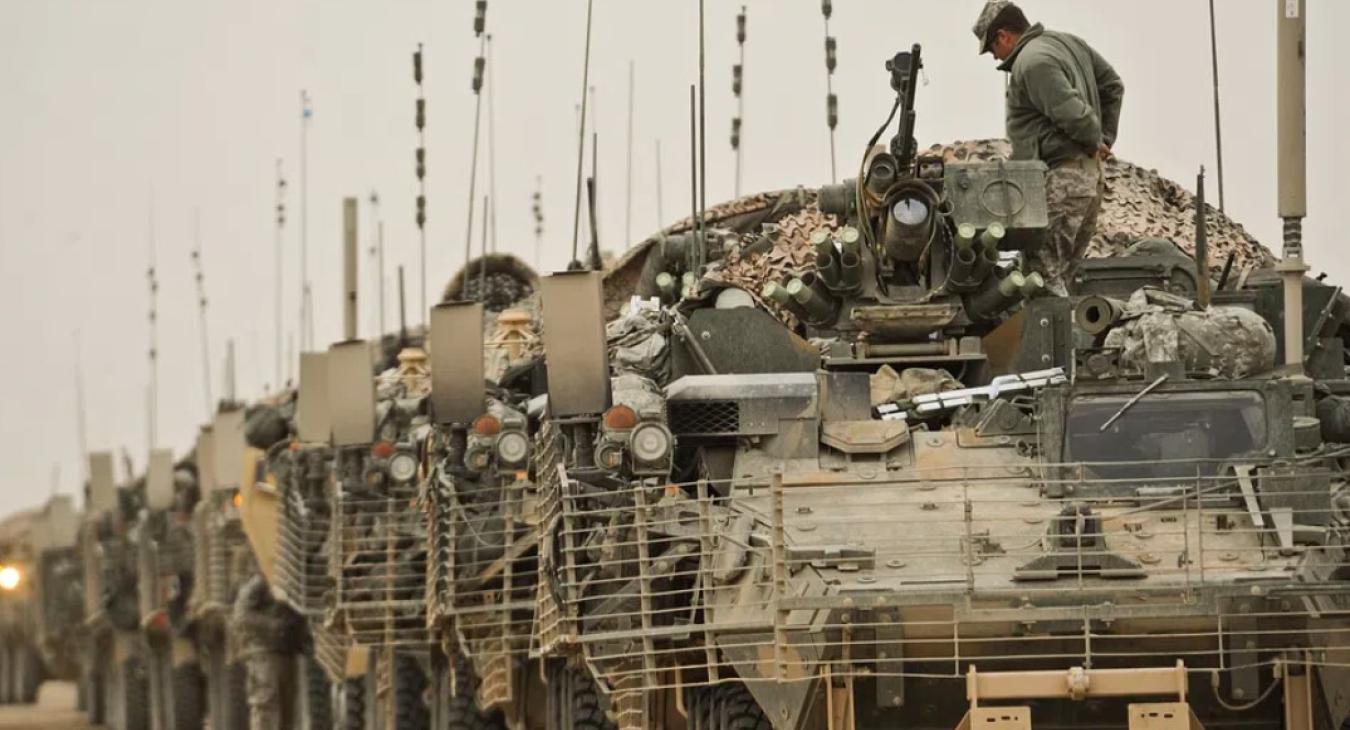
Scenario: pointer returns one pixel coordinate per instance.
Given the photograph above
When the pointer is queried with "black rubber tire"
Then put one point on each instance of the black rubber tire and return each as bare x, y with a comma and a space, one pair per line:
6, 673
29, 668
314, 693
135, 689
236, 696
188, 692
462, 713
576, 703
351, 701
740, 711
410, 686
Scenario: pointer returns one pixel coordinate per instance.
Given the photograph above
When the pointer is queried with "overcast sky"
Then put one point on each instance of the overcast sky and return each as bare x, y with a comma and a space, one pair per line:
123, 116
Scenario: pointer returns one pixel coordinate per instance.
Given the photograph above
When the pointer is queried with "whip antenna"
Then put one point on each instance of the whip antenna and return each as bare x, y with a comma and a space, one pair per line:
199, 276
628, 183
479, 68
1218, 119
737, 86
581, 131
538, 217
152, 392
276, 275
420, 120
831, 101
701, 240
492, 148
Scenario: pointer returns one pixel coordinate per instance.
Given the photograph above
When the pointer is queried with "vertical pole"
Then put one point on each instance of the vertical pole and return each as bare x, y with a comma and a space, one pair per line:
660, 213
628, 184
538, 218
480, 65
482, 258
492, 147
81, 424
1291, 100
200, 277
231, 382
349, 268
421, 158
152, 392
306, 316
277, 264
701, 241
373, 253
581, 131
380, 284
1218, 126
738, 86
831, 101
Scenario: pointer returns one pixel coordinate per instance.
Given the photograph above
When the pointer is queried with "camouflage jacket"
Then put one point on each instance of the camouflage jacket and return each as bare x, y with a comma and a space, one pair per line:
1063, 98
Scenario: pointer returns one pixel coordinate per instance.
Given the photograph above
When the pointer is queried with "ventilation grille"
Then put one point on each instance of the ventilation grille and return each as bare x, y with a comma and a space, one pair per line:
705, 417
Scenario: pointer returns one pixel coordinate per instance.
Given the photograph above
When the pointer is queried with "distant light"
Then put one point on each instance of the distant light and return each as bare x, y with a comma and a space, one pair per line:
9, 578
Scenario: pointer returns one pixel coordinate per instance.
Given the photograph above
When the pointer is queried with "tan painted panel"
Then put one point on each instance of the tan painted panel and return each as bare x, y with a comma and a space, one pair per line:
60, 524
574, 343
206, 460
457, 394
312, 417
258, 513
159, 479
351, 392
102, 483
228, 435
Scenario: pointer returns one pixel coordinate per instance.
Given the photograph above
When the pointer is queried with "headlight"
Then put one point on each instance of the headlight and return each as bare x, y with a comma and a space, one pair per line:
403, 467
9, 578
650, 443
513, 448
609, 455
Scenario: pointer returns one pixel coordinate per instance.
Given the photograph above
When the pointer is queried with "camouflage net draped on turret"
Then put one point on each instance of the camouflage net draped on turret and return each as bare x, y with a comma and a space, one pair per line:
1138, 204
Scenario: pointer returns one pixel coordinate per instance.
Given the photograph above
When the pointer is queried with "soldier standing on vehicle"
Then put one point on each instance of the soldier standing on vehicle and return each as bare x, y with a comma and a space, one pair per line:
1063, 109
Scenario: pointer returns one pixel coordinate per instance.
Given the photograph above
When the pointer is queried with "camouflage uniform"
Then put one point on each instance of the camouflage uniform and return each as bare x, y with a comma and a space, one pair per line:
1073, 193
261, 628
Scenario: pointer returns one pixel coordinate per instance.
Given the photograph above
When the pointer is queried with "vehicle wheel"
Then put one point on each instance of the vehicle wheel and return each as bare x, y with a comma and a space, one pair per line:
30, 675
313, 695
133, 710
6, 673
236, 697
94, 698
188, 687
410, 686
351, 704
575, 702
739, 711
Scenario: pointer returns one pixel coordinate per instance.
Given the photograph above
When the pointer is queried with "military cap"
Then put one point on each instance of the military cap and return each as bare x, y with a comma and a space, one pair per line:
988, 15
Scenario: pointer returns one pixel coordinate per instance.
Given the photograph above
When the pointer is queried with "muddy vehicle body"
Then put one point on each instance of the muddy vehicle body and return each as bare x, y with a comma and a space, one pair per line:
909, 490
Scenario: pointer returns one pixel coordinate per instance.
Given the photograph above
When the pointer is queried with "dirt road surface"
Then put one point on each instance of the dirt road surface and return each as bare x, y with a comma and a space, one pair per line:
55, 710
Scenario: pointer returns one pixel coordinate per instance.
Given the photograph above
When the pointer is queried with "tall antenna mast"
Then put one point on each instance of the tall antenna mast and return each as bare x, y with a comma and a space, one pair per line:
701, 241
281, 226
152, 392
1291, 127
1218, 118
231, 382
376, 255
479, 67
581, 130
81, 423
628, 184
482, 261
660, 213
737, 86
199, 275
492, 148
306, 305
538, 217
831, 101
421, 122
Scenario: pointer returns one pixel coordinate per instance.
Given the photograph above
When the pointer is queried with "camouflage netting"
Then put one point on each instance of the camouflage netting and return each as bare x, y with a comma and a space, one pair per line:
506, 281
1139, 204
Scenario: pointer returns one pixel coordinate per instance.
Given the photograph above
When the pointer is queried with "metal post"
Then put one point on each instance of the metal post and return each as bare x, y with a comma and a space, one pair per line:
349, 266
276, 274
1291, 93
306, 316
581, 132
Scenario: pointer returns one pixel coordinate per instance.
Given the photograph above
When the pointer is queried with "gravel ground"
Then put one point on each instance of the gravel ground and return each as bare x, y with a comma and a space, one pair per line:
55, 710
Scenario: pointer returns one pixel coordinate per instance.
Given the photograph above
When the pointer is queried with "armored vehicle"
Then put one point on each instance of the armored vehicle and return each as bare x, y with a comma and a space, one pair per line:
902, 487
40, 604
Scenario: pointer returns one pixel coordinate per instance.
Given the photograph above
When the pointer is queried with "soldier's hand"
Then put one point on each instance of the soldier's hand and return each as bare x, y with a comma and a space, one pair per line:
1104, 152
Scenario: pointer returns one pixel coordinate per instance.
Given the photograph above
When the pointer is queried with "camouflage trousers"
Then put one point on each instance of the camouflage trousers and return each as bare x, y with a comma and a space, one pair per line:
1073, 192
264, 690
